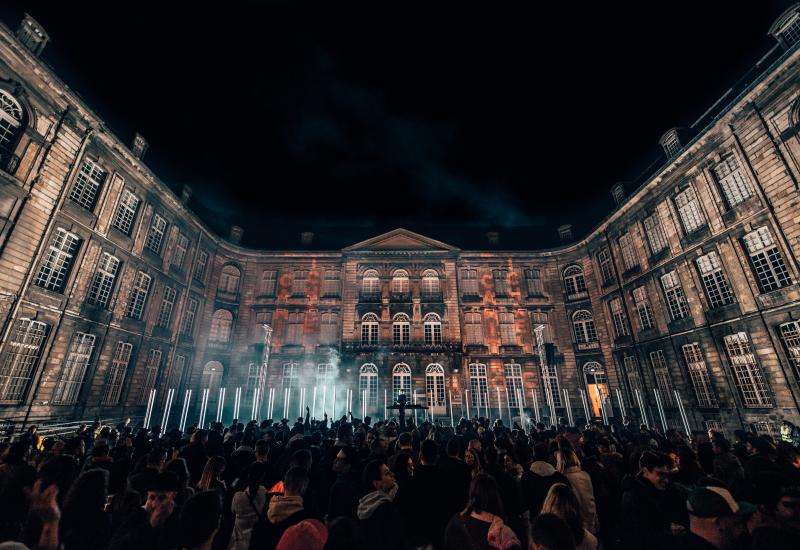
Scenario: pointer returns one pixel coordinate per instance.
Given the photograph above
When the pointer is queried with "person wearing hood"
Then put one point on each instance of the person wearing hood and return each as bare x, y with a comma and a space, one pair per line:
284, 510
538, 479
380, 520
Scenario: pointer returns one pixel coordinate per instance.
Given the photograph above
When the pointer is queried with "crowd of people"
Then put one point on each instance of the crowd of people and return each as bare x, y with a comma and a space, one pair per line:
357, 484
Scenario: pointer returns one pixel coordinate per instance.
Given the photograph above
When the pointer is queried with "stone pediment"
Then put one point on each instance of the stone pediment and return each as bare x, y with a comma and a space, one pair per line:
400, 240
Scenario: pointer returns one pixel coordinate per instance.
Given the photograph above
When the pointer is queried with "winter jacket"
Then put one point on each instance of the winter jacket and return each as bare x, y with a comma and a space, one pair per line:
581, 485
380, 521
535, 484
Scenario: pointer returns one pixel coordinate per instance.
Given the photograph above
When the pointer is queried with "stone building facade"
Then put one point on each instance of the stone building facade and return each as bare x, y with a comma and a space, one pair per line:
111, 287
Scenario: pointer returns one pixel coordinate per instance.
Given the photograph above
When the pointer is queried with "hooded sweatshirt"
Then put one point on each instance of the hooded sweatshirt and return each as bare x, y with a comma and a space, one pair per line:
370, 502
281, 507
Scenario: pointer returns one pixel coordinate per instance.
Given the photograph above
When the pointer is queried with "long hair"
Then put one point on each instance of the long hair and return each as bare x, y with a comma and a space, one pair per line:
484, 496
87, 497
565, 459
562, 502
255, 475
213, 469
476, 467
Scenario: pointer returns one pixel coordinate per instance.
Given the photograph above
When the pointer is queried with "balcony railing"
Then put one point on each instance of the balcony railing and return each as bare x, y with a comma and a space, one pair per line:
577, 296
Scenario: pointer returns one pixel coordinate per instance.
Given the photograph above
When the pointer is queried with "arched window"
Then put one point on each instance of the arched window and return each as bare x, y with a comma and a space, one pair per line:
434, 387
369, 330
368, 382
229, 280
574, 282
221, 324
400, 282
371, 284
583, 324
11, 122
433, 329
401, 328
596, 386
401, 381
212, 376
430, 284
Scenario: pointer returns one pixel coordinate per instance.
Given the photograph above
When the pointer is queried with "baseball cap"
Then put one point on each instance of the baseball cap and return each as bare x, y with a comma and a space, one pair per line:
715, 502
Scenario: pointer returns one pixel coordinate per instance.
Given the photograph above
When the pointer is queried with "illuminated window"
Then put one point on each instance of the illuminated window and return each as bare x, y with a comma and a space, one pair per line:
434, 385
138, 296
663, 378
746, 371
508, 332
294, 327
514, 387
299, 283
689, 210
433, 329
401, 328
676, 301
766, 260
583, 325
698, 373
269, 280
400, 282
331, 282
167, 305
473, 323
643, 308
58, 261
574, 282
618, 317
606, 270
150, 375
368, 382
116, 373
478, 384
550, 383
469, 282
715, 283
125, 214
371, 284
369, 330
87, 184
155, 235
75, 364
401, 381
103, 280
500, 278
731, 180
430, 285
22, 355
229, 280
656, 237
291, 375
626, 246
221, 324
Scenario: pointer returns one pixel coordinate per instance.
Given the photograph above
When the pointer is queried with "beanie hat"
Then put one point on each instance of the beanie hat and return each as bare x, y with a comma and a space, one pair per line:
309, 534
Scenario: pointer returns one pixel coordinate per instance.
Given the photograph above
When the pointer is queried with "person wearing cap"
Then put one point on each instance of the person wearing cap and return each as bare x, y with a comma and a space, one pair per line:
716, 520
155, 525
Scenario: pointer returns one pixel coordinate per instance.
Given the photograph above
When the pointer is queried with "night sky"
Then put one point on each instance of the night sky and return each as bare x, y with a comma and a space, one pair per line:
349, 119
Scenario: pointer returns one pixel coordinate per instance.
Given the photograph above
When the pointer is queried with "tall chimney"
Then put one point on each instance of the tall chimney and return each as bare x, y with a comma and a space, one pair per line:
186, 194
32, 35
236, 234
139, 146
565, 232
306, 238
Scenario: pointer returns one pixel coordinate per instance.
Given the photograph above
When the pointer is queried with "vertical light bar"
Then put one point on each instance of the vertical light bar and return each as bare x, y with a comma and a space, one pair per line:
469, 415
203, 406
324, 399
220, 404
585, 401
364, 397
568, 403
535, 405
660, 408
685, 418
487, 402
187, 399
452, 420
641, 407
385, 405
167, 407
314, 403
621, 406
333, 415
499, 405
521, 412
415, 402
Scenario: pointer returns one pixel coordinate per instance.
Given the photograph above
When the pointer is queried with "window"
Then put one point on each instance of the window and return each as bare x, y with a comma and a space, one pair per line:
514, 387
71, 380
716, 285
400, 282
126, 212
469, 282
689, 210
200, 266
746, 371
433, 329
294, 328
626, 246
596, 387
221, 324
574, 282
791, 33
116, 373
663, 378
656, 237
326, 374
150, 375
155, 235
329, 327
698, 373
540, 318
212, 376
714, 426
618, 317
550, 383
508, 333
138, 296
167, 305
632, 373
533, 278
103, 280
643, 308
430, 285
676, 301
790, 334
671, 144
22, 354
478, 384
606, 270
229, 280
256, 373
269, 279
181, 246
401, 381
585, 332
401, 329
369, 330
368, 381
189, 314
434, 385
58, 261
474, 327
291, 375
299, 282
331, 282
10, 126
731, 180
766, 260
87, 184
500, 278
371, 285
176, 373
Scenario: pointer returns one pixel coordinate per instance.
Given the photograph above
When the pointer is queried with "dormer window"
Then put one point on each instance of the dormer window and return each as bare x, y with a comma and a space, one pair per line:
786, 28
670, 142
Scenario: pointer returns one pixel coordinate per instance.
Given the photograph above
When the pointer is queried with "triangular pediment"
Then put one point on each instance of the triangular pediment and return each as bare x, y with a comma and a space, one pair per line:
400, 239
